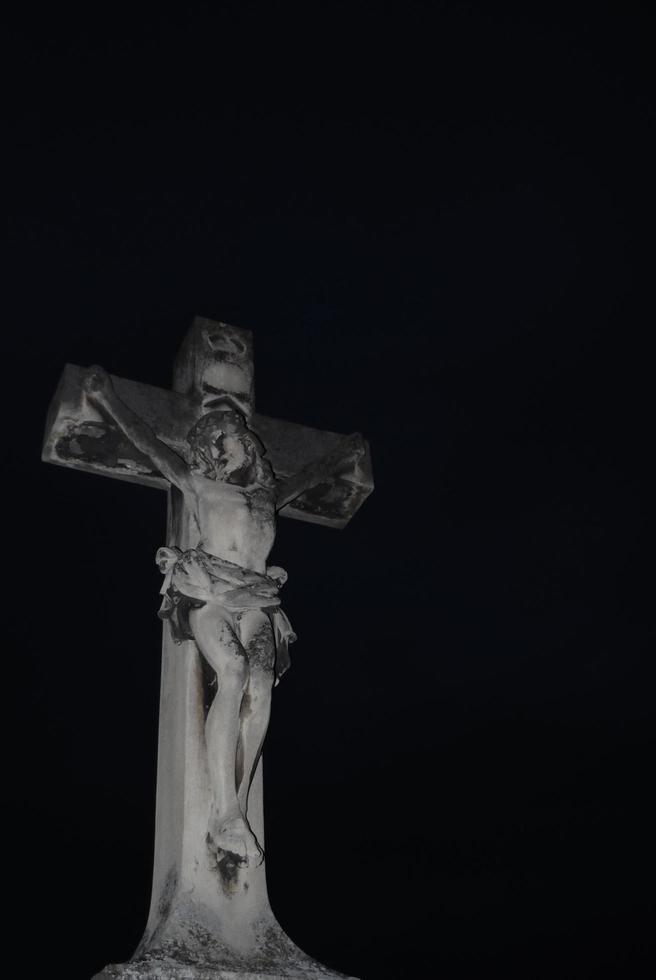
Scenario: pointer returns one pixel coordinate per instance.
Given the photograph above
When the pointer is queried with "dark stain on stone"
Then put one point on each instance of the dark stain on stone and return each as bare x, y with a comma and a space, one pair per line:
164, 906
225, 345
209, 685
261, 649
331, 499
92, 442
168, 891
227, 864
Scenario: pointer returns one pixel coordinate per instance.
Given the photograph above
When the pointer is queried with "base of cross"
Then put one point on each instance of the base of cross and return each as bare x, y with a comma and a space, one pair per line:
171, 970
189, 944
165, 971
201, 957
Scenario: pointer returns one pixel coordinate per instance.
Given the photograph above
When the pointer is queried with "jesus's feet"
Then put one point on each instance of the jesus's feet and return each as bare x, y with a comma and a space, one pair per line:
233, 835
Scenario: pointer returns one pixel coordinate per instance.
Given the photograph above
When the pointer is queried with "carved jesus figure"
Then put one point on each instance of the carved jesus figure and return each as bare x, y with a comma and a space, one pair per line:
221, 593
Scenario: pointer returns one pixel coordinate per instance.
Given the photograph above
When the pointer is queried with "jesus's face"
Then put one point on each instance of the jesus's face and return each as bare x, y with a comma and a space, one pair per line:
229, 455
230, 421
219, 450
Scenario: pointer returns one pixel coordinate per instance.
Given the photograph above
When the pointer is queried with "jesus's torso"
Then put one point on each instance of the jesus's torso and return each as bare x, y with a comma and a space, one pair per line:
235, 523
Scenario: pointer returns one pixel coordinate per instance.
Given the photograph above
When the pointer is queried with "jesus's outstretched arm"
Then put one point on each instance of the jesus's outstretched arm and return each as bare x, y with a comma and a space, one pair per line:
99, 389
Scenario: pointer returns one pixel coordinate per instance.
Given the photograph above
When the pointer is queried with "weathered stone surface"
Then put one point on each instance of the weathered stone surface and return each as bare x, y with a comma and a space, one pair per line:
81, 436
210, 915
216, 359
197, 953
170, 970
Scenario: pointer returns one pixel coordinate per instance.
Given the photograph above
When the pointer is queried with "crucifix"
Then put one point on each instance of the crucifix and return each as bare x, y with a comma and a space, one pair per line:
228, 472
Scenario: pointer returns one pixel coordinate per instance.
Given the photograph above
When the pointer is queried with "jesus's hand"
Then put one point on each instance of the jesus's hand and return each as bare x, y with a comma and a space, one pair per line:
98, 385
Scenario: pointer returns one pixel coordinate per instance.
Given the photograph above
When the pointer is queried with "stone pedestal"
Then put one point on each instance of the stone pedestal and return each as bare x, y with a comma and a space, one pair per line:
171, 970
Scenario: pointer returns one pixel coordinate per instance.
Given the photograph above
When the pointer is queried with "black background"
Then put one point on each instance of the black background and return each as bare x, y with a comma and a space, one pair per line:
437, 220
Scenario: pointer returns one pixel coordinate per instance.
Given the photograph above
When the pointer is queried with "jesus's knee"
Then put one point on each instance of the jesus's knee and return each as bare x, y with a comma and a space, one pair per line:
260, 685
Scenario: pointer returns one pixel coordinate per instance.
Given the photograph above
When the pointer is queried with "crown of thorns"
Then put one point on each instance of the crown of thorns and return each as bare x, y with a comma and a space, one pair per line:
213, 420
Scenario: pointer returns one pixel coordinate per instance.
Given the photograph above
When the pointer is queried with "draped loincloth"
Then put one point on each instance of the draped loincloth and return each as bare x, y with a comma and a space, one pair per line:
193, 578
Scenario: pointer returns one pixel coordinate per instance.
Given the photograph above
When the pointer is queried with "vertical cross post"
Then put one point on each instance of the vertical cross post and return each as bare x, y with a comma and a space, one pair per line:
199, 904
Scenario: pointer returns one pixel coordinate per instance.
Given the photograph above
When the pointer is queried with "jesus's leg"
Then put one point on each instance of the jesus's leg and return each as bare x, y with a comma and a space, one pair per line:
215, 637
257, 640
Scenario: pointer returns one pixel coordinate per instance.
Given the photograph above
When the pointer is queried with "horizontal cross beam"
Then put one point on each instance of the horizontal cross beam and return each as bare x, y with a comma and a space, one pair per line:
79, 436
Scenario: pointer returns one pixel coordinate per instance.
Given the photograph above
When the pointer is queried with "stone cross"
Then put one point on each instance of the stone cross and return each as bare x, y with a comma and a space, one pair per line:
203, 442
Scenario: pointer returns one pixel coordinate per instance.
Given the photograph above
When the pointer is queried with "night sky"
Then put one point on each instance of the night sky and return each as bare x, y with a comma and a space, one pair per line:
437, 220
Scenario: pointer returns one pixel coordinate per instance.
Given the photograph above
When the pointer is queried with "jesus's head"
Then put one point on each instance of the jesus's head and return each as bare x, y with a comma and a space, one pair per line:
223, 448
